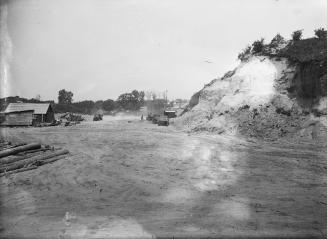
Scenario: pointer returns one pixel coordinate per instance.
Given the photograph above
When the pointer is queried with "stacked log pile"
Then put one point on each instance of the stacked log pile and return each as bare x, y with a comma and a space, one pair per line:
72, 117
22, 157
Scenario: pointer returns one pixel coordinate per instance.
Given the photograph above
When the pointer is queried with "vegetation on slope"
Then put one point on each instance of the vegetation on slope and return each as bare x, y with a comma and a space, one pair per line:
297, 49
312, 49
310, 55
301, 85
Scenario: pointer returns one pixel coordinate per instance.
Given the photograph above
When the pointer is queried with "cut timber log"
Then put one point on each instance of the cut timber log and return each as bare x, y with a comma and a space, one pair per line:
16, 145
32, 160
51, 160
35, 150
11, 146
18, 170
16, 150
10, 160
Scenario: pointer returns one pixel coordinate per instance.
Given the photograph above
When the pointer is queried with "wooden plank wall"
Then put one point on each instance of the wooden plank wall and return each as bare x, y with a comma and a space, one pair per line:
18, 119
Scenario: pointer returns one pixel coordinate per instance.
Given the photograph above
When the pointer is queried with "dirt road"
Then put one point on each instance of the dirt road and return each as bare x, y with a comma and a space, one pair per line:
139, 180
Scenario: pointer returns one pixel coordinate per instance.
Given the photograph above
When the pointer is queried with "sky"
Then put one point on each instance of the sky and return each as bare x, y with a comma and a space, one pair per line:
99, 49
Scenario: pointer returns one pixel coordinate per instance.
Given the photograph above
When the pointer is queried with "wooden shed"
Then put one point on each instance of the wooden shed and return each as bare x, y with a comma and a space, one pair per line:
18, 114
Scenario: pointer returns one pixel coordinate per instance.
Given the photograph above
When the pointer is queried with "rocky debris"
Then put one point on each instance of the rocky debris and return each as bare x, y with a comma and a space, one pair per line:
268, 121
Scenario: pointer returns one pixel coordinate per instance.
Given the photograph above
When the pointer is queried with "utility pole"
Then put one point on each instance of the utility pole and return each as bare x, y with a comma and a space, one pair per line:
166, 96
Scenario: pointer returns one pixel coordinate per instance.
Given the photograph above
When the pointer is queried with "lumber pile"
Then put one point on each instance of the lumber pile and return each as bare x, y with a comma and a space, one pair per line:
15, 158
69, 119
54, 123
18, 149
72, 117
70, 123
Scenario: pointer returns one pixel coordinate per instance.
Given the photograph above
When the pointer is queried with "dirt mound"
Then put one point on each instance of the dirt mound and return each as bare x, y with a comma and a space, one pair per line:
256, 99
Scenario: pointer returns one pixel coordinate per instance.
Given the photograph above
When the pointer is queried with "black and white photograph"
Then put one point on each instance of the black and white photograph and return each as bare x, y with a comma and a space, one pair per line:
163, 119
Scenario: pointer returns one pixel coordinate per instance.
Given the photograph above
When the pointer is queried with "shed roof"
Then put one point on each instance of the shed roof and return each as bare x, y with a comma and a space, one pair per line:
39, 108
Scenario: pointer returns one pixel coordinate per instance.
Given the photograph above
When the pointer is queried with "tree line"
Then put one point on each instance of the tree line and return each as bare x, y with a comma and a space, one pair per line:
131, 101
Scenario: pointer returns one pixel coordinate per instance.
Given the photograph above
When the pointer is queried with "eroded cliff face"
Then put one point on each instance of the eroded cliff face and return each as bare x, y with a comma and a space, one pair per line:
265, 97
309, 85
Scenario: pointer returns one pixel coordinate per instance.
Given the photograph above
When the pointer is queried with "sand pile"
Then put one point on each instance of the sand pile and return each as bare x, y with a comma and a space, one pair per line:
252, 100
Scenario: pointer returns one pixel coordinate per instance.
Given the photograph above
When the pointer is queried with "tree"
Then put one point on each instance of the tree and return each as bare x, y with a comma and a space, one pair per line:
141, 98
98, 104
277, 40
131, 101
65, 97
125, 101
148, 95
109, 105
321, 33
297, 35
136, 94
154, 95
38, 97
245, 53
85, 106
257, 46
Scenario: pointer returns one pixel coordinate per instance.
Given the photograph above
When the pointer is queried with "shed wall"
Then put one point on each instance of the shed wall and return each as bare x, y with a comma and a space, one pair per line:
50, 116
18, 119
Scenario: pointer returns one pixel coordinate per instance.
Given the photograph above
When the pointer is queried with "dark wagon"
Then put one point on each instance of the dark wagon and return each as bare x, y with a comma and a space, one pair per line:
163, 121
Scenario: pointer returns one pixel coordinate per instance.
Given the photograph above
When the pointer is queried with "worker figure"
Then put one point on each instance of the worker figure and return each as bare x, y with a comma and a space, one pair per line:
142, 117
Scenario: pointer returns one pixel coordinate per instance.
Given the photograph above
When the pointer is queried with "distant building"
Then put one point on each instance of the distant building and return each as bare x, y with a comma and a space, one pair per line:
156, 107
170, 113
179, 104
25, 114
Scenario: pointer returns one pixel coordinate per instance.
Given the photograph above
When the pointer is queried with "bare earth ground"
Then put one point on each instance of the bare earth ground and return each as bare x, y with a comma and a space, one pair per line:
139, 180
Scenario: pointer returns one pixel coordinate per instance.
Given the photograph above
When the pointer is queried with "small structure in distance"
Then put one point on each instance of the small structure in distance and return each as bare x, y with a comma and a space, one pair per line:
98, 115
170, 113
26, 114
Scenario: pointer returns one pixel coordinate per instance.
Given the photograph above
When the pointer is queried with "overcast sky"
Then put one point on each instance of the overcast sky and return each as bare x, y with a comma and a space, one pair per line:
99, 49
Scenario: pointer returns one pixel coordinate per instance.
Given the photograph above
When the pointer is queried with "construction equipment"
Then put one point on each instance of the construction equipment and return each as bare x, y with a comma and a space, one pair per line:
155, 119
170, 113
163, 120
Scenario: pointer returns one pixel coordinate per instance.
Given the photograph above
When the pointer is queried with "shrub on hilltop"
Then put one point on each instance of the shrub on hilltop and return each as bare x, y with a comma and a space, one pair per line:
298, 49
257, 46
321, 33
297, 35
277, 41
244, 54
